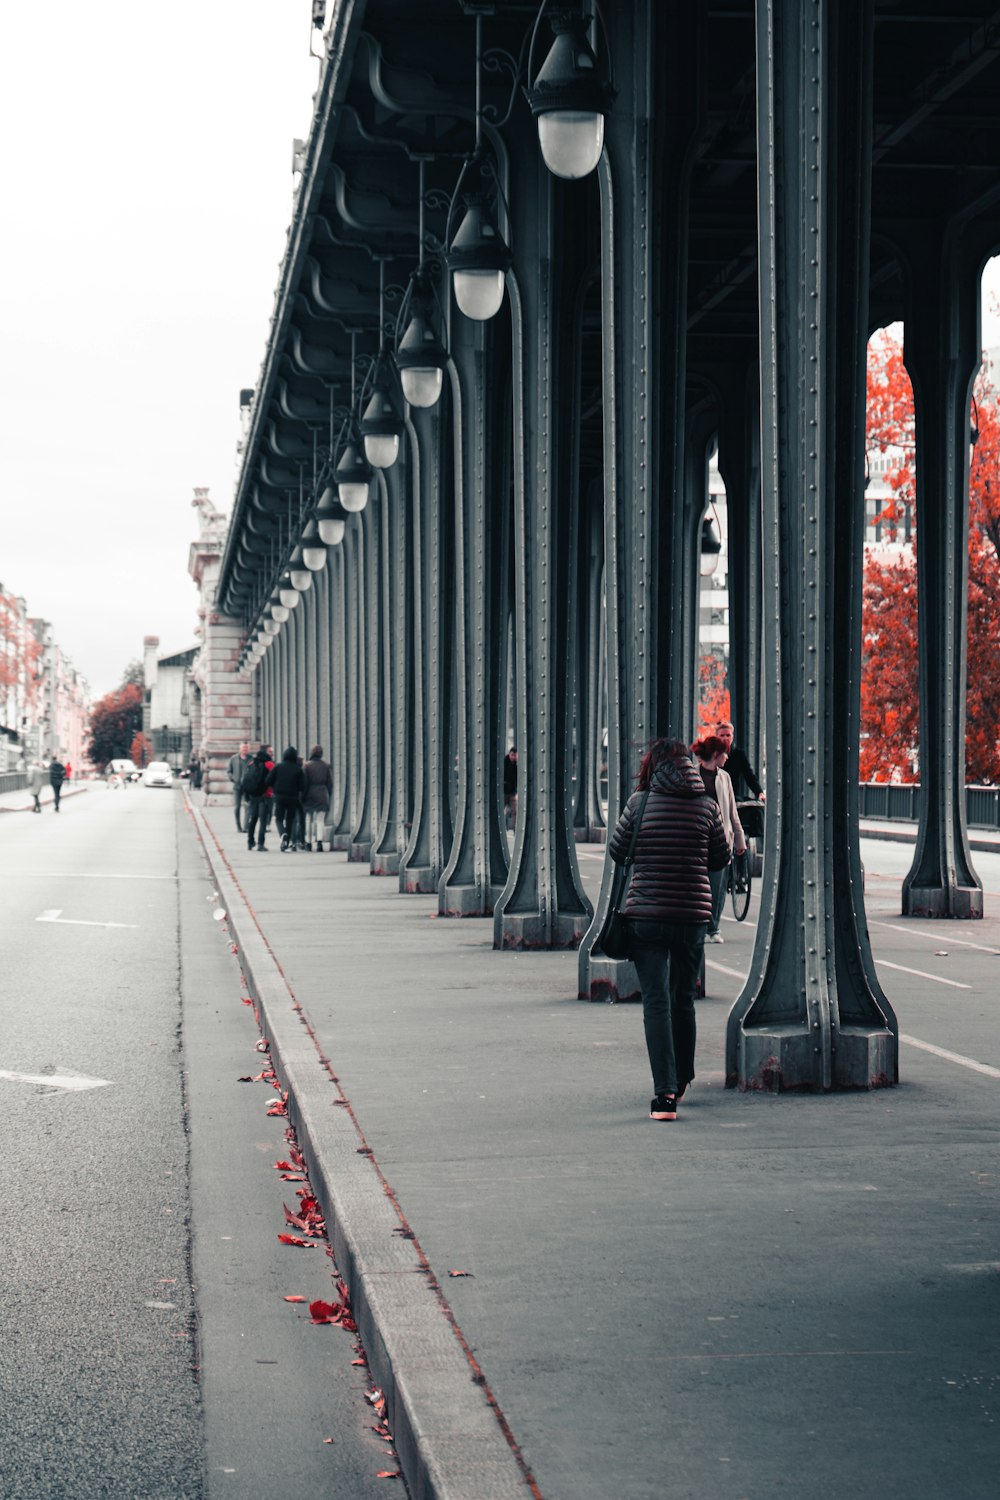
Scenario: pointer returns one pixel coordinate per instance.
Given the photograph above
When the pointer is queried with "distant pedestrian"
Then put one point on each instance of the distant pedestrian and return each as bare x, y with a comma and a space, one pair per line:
36, 780
259, 798
316, 801
57, 775
711, 755
668, 907
237, 765
510, 787
194, 770
287, 781
741, 773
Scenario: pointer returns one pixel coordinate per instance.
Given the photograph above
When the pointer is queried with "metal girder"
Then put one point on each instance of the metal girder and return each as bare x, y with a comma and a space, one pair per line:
390, 832
812, 1014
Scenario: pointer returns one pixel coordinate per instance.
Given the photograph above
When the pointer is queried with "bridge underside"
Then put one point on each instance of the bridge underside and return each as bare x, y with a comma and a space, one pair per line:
776, 180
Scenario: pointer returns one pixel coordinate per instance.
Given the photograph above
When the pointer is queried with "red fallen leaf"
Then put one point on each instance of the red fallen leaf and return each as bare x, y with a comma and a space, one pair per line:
282, 1166
292, 1177
459, 1273
295, 1299
277, 1107
328, 1440
293, 1239
389, 1474
247, 1000
359, 1361
246, 1079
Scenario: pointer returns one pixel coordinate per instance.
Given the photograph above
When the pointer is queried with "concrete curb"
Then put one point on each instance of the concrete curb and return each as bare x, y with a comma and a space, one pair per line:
447, 1429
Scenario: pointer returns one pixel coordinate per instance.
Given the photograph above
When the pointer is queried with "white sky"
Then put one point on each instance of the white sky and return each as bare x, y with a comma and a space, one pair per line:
147, 190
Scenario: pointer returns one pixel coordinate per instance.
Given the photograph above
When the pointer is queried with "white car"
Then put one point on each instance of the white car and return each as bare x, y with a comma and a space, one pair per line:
158, 773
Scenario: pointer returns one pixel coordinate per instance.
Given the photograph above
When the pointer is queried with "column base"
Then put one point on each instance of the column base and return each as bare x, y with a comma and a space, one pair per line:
359, 854
959, 902
595, 834
532, 930
419, 880
609, 980
781, 1060
385, 864
468, 901
340, 841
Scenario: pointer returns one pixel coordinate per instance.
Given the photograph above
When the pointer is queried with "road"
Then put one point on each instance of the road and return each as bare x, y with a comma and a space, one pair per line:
147, 1348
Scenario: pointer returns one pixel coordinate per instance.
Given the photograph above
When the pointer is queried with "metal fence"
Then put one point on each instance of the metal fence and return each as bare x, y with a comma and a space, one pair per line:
13, 781
902, 803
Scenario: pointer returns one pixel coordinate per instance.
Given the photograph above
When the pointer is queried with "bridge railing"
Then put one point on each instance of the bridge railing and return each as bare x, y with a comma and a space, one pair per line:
13, 781
901, 803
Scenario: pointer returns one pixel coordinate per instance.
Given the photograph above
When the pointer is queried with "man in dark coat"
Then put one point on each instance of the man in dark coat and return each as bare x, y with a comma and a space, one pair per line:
741, 772
259, 797
57, 775
669, 906
287, 781
237, 765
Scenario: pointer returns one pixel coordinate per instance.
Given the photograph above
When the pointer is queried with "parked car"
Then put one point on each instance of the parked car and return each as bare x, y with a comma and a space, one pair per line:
158, 773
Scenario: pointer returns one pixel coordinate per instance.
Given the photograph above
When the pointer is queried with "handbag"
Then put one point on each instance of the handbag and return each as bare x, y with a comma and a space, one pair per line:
614, 938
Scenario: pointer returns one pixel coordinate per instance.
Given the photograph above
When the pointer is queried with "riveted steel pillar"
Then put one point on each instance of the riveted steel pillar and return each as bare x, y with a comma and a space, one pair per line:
588, 818
543, 904
390, 837
701, 430
739, 465
369, 674
338, 820
301, 706
346, 659
472, 878
423, 860
812, 1015
645, 181
942, 353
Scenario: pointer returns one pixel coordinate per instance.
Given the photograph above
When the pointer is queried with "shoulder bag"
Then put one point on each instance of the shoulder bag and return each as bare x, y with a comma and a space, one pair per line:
613, 939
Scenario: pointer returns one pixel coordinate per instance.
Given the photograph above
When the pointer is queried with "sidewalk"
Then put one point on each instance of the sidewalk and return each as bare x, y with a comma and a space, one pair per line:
790, 1296
23, 801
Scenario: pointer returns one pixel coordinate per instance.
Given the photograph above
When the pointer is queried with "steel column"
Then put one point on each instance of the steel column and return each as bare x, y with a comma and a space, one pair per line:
366, 717
739, 465
389, 834
942, 354
338, 823
347, 655
423, 860
812, 1014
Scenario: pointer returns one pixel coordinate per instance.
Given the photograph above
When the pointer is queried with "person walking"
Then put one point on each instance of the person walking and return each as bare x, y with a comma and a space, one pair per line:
316, 801
510, 787
287, 781
57, 775
668, 906
738, 767
259, 797
36, 780
235, 769
711, 756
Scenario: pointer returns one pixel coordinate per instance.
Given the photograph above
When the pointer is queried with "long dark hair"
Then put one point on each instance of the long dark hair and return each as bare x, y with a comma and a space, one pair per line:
656, 752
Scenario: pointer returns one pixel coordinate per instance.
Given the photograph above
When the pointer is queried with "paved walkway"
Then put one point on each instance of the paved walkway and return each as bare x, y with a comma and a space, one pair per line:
774, 1296
23, 801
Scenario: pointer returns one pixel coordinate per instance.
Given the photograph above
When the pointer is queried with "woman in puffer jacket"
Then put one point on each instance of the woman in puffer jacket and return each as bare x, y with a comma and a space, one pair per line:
669, 906
287, 782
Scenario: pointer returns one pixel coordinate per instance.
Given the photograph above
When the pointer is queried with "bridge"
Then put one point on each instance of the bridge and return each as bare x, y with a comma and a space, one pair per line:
534, 274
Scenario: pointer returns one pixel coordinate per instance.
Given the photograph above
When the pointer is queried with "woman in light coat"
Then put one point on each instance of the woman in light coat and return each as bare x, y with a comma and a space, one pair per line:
711, 754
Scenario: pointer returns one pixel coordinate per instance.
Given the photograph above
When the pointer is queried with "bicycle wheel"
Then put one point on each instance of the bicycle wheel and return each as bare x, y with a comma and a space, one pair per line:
740, 882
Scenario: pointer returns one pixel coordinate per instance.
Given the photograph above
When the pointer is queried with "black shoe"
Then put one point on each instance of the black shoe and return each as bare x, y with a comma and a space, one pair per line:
261, 849
319, 848
284, 843
308, 847
663, 1107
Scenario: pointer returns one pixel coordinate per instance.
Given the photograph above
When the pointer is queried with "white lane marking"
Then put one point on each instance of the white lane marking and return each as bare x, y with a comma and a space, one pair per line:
937, 937
955, 1057
954, 984
53, 916
73, 1083
721, 969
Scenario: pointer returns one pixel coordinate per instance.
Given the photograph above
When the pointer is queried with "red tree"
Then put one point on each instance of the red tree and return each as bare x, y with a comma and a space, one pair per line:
889, 684
115, 720
712, 692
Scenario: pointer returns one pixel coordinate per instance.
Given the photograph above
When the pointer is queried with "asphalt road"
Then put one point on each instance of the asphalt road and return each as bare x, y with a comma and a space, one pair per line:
147, 1349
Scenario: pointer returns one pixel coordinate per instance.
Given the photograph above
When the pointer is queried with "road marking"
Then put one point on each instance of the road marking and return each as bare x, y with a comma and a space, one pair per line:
53, 915
955, 1057
721, 969
937, 937
883, 963
72, 1083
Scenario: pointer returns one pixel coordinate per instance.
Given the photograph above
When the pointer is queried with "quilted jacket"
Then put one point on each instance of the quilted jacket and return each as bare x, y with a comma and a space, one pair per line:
680, 839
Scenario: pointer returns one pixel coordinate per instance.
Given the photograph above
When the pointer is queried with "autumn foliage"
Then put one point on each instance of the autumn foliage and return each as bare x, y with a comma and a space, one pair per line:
115, 720
889, 685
